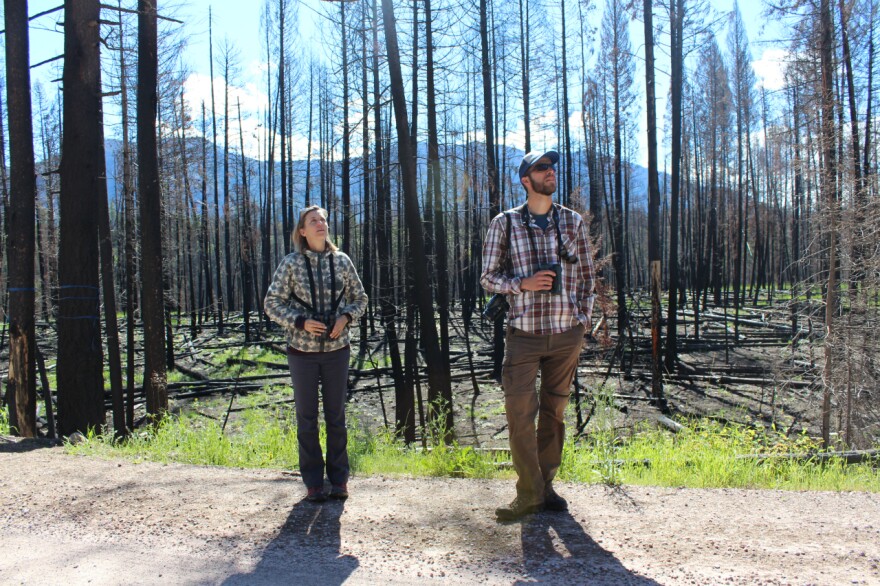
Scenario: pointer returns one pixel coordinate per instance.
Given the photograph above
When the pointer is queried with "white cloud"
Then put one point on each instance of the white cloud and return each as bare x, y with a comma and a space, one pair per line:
543, 132
770, 68
197, 89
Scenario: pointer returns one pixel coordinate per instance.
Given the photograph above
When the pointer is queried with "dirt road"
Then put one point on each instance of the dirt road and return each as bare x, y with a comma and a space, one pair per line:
74, 520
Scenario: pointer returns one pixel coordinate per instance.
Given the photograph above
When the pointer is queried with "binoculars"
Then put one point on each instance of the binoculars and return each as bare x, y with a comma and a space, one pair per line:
556, 288
498, 305
328, 318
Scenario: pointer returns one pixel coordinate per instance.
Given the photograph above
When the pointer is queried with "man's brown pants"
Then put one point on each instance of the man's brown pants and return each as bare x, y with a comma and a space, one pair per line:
537, 456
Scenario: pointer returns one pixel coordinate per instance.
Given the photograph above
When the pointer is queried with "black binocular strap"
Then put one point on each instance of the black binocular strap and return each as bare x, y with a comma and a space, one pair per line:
559, 246
301, 302
336, 300
311, 282
333, 298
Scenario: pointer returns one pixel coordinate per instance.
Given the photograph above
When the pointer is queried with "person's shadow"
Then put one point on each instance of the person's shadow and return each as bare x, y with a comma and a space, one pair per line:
555, 547
305, 551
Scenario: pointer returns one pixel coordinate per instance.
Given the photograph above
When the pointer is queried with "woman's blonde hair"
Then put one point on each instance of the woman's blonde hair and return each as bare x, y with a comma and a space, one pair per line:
299, 241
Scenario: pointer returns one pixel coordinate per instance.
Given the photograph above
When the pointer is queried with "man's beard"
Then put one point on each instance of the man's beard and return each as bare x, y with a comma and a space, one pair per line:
543, 187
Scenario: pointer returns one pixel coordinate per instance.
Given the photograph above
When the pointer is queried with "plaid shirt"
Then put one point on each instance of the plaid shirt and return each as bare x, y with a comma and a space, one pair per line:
539, 312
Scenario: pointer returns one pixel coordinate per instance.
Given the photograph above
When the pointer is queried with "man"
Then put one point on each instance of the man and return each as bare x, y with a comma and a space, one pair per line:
545, 268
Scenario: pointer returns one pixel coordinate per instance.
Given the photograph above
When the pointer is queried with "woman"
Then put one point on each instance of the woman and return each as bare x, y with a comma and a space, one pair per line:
316, 294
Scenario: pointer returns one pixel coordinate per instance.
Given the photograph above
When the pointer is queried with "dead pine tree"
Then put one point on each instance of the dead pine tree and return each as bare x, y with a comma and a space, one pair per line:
568, 167
130, 235
616, 57
346, 137
654, 252
155, 380
742, 81
404, 403
491, 164
524, 35
676, 26
230, 66
439, 387
286, 220
83, 177
439, 225
830, 199
108, 290
246, 249
21, 388
368, 229
216, 184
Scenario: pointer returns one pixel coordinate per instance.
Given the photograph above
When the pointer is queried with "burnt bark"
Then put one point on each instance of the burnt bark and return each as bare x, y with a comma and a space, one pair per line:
439, 387
150, 196
21, 388
83, 177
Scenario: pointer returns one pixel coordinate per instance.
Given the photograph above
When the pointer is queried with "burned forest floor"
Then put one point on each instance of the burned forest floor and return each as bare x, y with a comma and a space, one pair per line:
749, 371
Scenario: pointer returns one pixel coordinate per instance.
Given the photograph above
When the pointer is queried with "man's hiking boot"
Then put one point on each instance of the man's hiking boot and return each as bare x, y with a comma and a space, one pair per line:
316, 494
518, 509
339, 492
552, 501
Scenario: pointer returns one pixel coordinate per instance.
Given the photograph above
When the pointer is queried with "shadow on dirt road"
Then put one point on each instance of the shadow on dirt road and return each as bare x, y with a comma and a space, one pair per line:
305, 551
556, 547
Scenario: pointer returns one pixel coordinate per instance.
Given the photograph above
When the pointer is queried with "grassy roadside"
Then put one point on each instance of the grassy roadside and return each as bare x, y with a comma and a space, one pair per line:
704, 455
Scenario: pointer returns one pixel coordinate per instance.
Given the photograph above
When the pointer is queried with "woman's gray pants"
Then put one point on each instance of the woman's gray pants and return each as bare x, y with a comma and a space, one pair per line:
330, 369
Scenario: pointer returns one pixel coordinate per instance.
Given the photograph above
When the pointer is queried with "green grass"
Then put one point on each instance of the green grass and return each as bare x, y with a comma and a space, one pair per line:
704, 455
707, 455
193, 440
4, 422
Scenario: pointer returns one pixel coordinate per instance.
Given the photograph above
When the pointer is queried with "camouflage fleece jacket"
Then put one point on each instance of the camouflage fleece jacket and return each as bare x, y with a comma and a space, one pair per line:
293, 297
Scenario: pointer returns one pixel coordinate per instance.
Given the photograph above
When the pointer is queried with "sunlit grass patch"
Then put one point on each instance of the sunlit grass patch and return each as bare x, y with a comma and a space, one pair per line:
194, 440
4, 422
706, 454
175, 376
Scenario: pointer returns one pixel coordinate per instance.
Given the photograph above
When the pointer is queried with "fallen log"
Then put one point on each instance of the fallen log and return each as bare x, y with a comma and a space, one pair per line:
255, 363
751, 322
190, 372
671, 425
851, 457
722, 379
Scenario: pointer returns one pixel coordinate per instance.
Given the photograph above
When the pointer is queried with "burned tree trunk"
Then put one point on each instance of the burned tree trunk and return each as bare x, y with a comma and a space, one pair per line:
83, 177
676, 18
442, 263
438, 379
829, 195
21, 389
404, 400
155, 382
654, 252
491, 165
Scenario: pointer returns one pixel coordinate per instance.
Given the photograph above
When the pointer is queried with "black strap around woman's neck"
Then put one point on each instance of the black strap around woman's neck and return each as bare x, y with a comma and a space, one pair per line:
311, 281
334, 300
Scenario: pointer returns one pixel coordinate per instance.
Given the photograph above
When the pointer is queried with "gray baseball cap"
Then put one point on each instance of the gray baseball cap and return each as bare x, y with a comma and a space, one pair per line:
533, 157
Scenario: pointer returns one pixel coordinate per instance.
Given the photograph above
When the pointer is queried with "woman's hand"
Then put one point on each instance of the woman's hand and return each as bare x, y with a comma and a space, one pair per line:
340, 324
315, 327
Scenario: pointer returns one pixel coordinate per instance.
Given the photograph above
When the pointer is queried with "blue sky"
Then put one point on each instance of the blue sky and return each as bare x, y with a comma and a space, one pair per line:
241, 26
